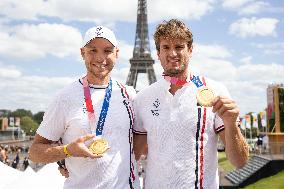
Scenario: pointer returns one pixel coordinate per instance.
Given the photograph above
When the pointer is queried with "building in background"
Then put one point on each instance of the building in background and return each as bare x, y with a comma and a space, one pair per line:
10, 129
275, 118
3, 123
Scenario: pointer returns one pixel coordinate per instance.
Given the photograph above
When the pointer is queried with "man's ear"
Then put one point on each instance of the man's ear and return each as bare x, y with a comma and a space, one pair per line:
190, 49
117, 52
158, 54
82, 53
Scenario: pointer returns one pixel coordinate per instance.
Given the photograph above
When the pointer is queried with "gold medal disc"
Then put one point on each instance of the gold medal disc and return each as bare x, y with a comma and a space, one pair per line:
205, 96
99, 146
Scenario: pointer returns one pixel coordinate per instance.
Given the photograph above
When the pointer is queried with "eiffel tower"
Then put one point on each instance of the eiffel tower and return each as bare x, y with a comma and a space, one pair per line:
141, 62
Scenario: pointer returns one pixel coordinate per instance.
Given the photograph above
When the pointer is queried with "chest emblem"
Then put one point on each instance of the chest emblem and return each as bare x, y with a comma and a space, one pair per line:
155, 110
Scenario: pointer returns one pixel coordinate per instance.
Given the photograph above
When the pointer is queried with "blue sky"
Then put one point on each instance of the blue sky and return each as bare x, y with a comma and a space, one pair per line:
237, 42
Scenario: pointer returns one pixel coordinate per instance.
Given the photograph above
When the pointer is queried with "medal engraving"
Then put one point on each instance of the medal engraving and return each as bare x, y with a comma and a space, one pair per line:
99, 147
205, 96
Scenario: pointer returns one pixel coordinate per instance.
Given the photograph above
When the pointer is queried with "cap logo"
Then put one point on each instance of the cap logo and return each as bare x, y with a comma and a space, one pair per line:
99, 32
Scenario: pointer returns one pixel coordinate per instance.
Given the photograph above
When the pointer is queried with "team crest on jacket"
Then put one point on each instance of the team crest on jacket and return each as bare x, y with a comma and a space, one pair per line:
155, 110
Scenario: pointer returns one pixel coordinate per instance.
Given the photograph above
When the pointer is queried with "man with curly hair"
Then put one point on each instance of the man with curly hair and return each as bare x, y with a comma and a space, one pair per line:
179, 119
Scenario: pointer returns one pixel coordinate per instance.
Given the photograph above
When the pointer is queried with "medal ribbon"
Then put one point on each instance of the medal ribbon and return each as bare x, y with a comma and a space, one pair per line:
195, 79
176, 81
90, 109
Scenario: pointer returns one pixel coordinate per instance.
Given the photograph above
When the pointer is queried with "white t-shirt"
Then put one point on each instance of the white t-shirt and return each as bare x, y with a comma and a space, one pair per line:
181, 136
67, 118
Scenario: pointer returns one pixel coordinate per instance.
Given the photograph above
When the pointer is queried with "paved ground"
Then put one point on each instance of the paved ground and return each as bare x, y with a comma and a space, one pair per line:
222, 180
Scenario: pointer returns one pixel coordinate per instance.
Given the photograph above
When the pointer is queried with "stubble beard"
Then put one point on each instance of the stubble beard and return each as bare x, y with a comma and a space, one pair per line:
98, 74
176, 71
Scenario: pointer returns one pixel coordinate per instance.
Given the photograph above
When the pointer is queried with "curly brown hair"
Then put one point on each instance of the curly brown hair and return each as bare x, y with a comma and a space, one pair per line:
173, 29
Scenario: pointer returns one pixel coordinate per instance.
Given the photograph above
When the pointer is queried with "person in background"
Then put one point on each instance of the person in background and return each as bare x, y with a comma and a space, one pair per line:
2, 157
25, 163
3, 154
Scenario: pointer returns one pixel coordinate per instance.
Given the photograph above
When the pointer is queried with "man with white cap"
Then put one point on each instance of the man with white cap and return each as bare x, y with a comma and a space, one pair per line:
94, 117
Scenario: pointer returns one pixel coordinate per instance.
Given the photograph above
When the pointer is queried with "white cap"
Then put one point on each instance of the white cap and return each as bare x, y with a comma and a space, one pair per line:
99, 32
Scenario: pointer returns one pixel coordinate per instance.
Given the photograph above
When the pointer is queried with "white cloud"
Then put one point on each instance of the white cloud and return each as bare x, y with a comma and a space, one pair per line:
212, 51
248, 96
9, 72
254, 8
215, 68
28, 92
261, 73
206, 58
84, 10
23, 10
120, 74
271, 48
246, 60
254, 27
183, 9
247, 7
234, 4
93, 10
107, 12
249, 88
38, 41
4, 21
125, 53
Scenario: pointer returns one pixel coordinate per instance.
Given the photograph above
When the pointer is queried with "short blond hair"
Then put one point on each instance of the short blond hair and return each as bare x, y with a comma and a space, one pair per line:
173, 29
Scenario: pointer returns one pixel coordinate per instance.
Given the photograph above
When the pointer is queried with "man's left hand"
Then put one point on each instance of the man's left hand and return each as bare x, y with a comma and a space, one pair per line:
226, 109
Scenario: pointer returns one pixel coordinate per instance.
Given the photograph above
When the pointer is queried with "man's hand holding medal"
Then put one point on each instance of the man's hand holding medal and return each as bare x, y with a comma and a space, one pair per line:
226, 108
78, 148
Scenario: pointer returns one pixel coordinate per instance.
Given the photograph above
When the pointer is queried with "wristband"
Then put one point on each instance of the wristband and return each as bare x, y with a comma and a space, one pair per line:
65, 150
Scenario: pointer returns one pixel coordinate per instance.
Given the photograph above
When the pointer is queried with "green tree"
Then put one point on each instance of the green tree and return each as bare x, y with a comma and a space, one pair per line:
21, 113
29, 125
38, 117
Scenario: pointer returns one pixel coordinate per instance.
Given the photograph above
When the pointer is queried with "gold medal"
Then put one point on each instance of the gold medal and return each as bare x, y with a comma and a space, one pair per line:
99, 146
205, 96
